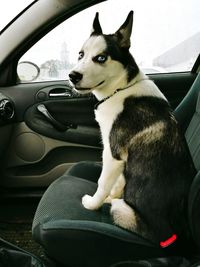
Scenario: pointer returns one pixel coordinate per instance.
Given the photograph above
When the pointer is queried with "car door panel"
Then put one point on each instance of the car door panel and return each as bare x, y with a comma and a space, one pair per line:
76, 116
34, 160
38, 152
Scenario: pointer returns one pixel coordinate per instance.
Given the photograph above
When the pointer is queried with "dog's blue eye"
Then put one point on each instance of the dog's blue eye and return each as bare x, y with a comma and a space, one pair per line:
81, 55
100, 58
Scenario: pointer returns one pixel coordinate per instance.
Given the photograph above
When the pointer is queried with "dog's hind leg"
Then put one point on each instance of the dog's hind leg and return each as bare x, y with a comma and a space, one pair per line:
117, 190
123, 215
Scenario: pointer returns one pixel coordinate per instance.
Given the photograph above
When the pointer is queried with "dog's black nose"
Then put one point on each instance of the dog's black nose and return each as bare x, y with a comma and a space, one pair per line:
75, 77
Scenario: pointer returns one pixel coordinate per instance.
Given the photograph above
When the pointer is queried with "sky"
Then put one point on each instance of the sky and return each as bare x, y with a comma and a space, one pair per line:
158, 26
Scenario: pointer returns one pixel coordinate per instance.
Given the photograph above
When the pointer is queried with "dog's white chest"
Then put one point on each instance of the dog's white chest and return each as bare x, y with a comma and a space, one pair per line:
106, 114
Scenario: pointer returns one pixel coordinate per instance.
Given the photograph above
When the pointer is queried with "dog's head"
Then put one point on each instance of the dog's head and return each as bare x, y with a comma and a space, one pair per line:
104, 62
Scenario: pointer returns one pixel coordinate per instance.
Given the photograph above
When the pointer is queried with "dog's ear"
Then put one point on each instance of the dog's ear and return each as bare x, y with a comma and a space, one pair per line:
124, 32
96, 27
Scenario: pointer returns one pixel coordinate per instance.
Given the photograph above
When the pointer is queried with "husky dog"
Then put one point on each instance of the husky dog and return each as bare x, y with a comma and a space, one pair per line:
147, 169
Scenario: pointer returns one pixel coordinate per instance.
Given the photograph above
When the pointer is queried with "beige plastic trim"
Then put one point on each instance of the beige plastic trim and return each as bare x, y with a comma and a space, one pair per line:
12, 158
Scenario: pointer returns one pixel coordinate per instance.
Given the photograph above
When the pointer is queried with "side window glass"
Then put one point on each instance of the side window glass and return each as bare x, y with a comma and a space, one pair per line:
165, 38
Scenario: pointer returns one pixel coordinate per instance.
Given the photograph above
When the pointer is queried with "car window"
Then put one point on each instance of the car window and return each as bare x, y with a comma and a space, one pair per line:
165, 37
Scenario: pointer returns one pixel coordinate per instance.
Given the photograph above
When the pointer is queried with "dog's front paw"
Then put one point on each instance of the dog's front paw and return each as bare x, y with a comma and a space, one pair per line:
88, 202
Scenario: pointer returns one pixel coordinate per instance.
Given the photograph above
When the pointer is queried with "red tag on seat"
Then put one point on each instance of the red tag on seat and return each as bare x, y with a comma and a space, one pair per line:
168, 242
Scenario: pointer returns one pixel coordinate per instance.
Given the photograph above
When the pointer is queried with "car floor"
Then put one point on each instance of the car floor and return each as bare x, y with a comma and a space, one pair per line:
16, 216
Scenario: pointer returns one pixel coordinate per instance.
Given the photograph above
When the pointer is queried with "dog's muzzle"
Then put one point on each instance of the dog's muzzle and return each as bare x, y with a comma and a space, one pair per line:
75, 77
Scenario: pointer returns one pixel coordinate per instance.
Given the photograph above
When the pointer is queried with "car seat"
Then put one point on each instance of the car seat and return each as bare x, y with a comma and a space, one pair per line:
74, 236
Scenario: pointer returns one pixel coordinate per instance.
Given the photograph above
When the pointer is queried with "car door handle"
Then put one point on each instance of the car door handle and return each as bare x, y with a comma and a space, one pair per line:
66, 94
60, 92
56, 124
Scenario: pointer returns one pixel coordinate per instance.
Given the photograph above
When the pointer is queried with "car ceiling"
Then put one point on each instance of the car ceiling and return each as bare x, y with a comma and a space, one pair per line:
39, 18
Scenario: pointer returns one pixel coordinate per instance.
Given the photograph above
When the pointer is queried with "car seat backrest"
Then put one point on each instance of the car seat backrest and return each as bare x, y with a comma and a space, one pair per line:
188, 113
192, 134
186, 109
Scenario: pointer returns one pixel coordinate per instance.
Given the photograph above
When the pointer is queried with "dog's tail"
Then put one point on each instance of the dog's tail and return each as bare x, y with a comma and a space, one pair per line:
126, 217
123, 215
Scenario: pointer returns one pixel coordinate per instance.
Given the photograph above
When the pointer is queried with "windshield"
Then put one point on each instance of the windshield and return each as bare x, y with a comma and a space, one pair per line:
10, 9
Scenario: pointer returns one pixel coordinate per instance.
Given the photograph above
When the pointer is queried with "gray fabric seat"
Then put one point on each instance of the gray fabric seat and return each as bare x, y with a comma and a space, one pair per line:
74, 236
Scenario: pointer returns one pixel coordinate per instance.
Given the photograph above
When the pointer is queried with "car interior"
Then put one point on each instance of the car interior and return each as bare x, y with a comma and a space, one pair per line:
51, 149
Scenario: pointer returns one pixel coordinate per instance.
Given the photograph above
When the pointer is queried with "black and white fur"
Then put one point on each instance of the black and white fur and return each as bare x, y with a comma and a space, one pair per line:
147, 169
